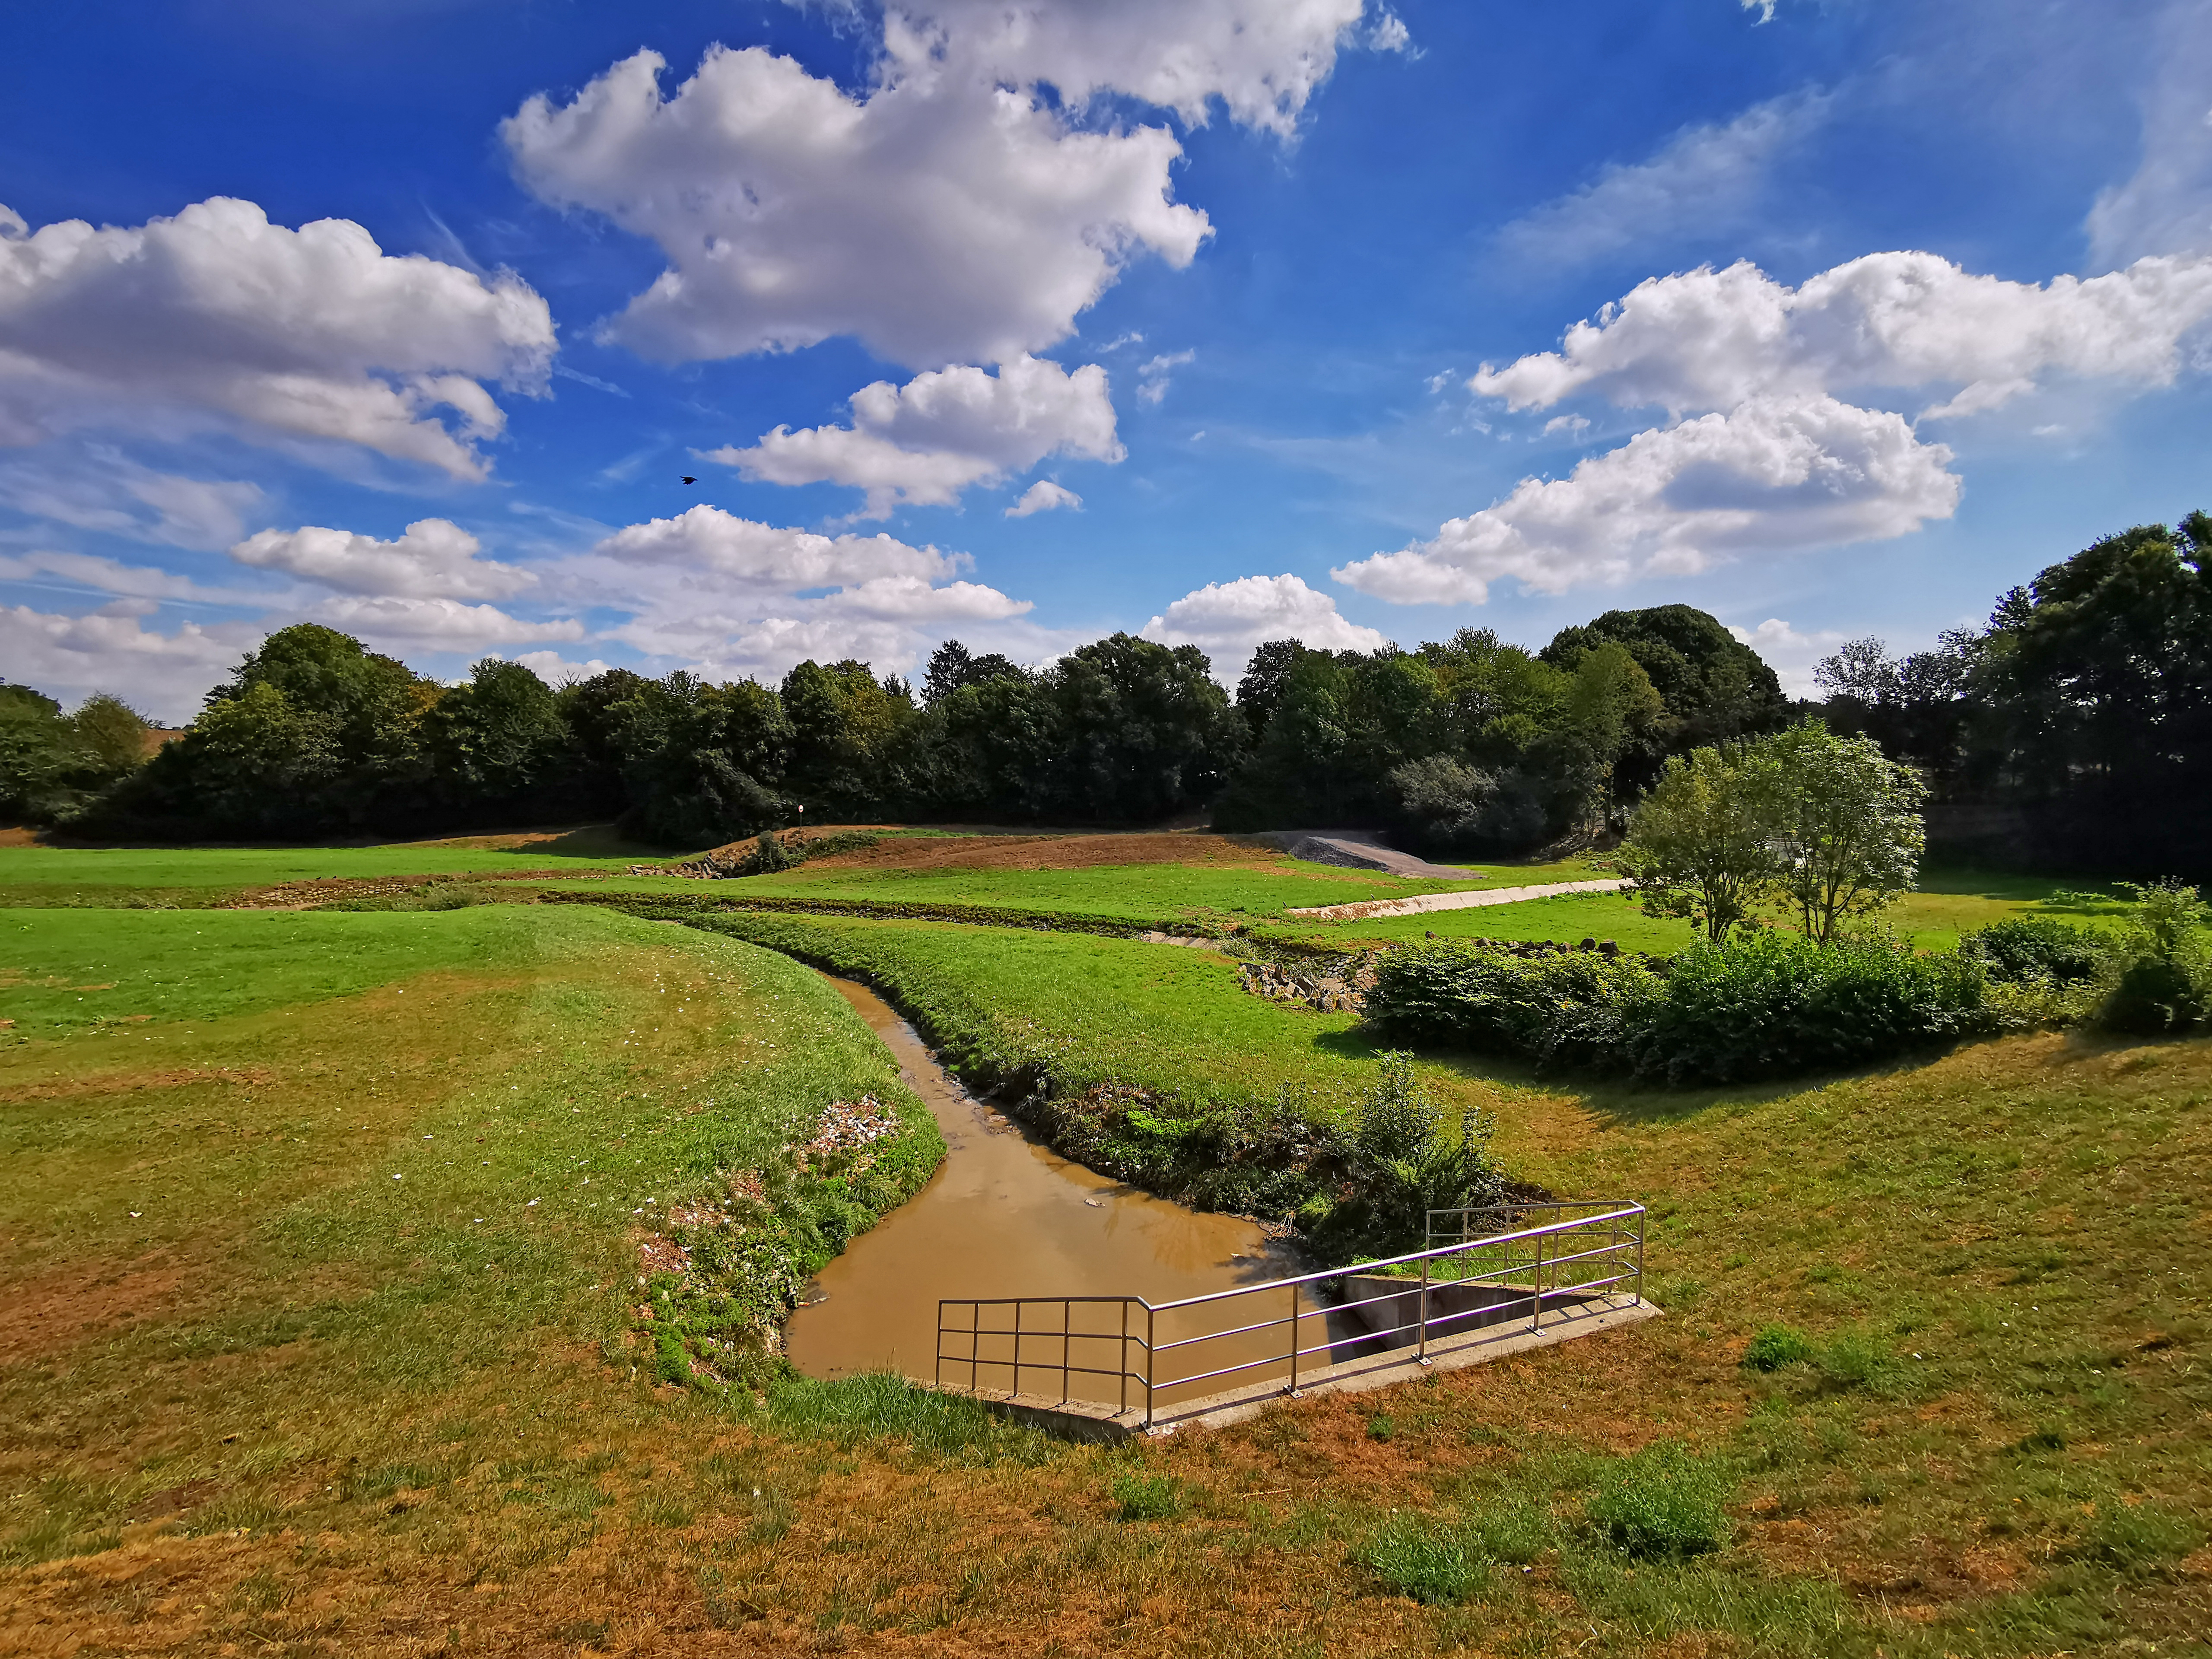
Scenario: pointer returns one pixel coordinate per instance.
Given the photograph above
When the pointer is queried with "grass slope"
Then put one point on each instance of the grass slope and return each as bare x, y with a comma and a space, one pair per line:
297, 1210
42, 875
293, 1404
1003, 1003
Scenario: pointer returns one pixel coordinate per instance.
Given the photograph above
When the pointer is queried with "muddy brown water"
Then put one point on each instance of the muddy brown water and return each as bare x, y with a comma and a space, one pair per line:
1006, 1216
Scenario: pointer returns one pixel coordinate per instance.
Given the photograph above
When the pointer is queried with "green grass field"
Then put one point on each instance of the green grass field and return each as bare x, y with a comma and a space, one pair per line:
258, 1395
1083, 1009
41, 875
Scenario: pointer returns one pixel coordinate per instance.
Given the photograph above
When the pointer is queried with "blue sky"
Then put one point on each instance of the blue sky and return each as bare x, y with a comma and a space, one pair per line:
1020, 321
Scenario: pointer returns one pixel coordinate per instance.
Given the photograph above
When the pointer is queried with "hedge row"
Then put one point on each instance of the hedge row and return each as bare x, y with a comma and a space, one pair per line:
1762, 1005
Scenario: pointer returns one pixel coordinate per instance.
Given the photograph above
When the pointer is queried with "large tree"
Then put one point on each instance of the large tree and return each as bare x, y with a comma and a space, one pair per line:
2096, 685
1714, 687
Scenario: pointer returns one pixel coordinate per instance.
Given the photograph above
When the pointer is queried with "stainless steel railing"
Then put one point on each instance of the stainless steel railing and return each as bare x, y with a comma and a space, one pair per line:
1495, 1261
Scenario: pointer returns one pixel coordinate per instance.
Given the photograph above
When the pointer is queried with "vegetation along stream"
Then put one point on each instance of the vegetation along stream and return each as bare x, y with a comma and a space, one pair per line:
1005, 1216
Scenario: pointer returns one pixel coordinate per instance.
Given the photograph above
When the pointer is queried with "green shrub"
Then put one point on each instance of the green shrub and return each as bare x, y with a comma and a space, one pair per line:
1140, 1497
1663, 1501
1401, 1165
1578, 1008
2163, 984
1424, 1558
2153, 997
1756, 1006
1768, 1004
1776, 1346
2021, 949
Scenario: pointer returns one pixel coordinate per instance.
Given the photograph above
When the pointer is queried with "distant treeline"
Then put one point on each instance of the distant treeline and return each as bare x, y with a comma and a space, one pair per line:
2075, 729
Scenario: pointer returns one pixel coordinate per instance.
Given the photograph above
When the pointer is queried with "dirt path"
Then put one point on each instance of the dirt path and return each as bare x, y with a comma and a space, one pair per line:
1414, 907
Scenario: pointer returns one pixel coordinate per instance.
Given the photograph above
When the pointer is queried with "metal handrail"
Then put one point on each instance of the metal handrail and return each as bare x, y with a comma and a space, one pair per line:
1138, 1352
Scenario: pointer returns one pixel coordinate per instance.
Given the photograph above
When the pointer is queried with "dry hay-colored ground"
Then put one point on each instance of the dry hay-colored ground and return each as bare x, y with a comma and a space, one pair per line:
1042, 851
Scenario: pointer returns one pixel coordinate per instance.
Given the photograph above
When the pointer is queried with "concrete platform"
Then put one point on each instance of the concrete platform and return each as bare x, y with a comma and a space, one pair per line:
1366, 1359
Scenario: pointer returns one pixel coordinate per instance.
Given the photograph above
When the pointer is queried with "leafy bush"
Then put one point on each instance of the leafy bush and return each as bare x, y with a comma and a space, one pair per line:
1580, 1008
1663, 1501
2154, 997
1425, 1558
1776, 1346
2163, 981
2021, 949
1757, 1005
1401, 1165
1766, 1004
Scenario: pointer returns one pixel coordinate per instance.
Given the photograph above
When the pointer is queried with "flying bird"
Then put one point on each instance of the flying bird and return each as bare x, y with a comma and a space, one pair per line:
690, 481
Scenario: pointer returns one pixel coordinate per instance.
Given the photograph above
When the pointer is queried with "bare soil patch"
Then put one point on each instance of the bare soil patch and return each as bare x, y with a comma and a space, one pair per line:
114, 1083
74, 1300
1045, 852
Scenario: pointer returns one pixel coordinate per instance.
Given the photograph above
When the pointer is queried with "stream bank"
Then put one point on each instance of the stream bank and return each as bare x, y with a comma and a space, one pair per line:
1003, 1215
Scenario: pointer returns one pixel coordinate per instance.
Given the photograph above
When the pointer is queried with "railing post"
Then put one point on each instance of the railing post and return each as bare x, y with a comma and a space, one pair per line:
1421, 1351
1017, 1347
1123, 1352
1294, 1341
1152, 1325
936, 1378
1067, 1319
1536, 1288
1638, 1303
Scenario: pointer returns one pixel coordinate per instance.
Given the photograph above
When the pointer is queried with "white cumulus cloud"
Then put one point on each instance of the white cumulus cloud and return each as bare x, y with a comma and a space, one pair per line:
1262, 59
434, 624
934, 219
556, 670
745, 555
218, 316
163, 676
726, 596
925, 442
1227, 620
1044, 497
1776, 475
1705, 179
435, 558
951, 211
1761, 454
1710, 339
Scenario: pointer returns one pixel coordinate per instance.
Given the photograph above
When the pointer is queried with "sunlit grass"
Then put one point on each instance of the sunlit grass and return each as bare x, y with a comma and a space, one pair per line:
290, 1403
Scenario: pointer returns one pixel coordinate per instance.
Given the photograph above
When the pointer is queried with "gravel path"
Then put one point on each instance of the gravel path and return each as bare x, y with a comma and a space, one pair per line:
1426, 901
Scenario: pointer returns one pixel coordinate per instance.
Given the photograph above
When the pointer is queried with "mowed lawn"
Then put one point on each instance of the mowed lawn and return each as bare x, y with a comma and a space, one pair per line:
256, 1395
41, 875
293, 1404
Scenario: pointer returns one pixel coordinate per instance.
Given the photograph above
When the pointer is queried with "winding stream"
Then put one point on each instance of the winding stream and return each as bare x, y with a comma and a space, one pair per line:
1003, 1216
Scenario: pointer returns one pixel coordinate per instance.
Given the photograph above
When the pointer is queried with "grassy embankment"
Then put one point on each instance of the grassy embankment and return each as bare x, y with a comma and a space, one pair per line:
285, 1405
203, 877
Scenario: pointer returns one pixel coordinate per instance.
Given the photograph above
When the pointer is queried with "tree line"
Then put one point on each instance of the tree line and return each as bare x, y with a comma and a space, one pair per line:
2075, 728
